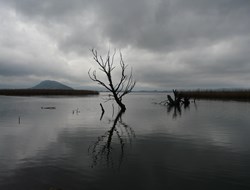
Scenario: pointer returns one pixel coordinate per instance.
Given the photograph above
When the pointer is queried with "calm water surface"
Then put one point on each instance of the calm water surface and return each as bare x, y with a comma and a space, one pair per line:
205, 146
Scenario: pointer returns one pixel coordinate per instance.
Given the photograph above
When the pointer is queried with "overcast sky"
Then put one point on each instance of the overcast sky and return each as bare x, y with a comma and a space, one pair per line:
168, 43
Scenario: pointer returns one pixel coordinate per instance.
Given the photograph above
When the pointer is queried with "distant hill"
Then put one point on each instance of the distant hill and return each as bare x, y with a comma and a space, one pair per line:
50, 84
48, 88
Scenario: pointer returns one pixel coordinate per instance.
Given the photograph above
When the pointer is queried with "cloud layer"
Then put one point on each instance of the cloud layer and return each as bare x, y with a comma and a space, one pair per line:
169, 43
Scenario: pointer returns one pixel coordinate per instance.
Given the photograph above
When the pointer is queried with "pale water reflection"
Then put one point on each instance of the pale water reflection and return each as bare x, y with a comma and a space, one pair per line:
207, 146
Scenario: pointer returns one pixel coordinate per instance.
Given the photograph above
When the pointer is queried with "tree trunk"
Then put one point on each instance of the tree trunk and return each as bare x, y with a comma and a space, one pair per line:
122, 106
119, 102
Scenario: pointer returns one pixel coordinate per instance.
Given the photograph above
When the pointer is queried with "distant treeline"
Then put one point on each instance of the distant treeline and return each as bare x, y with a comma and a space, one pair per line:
46, 92
225, 94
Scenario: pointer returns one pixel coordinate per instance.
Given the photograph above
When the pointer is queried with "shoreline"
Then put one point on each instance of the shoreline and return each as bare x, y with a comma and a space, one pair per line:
237, 95
46, 92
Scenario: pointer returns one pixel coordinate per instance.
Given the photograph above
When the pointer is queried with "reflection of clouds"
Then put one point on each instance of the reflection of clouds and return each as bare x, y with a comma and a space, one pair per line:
61, 164
48, 151
220, 139
217, 123
153, 162
38, 128
22, 141
48, 148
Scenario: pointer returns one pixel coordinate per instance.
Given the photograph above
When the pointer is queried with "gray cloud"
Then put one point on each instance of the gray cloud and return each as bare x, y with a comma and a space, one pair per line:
169, 43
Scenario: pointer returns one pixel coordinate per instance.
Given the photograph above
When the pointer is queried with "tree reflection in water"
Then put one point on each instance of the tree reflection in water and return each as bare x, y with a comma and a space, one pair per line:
102, 150
176, 110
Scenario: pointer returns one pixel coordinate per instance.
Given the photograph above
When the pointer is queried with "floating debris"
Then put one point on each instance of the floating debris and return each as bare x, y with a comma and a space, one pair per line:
49, 107
77, 111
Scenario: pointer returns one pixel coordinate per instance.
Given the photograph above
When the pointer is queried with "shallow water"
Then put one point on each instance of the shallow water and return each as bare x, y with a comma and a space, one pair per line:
205, 146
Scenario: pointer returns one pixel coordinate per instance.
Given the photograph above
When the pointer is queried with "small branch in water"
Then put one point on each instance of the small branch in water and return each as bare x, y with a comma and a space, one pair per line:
102, 111
19, 120
102, 108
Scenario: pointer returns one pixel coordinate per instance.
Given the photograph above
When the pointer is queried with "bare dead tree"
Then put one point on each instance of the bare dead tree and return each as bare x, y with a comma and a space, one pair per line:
125, 84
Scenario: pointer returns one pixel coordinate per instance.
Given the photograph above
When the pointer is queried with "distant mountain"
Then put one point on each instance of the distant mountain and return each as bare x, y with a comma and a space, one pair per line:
49, 84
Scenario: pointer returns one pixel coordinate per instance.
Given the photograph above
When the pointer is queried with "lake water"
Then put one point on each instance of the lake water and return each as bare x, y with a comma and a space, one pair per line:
205, 146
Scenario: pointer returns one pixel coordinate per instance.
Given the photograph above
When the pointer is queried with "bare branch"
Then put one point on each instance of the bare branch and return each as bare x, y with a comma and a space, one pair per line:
93, 77
126, 83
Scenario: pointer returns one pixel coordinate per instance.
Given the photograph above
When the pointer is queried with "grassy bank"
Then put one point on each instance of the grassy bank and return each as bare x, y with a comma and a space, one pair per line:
241, 95
49, 92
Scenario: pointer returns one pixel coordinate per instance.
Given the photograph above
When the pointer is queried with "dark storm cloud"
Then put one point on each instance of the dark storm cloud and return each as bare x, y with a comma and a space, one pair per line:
188, 43
50, 9
153, 25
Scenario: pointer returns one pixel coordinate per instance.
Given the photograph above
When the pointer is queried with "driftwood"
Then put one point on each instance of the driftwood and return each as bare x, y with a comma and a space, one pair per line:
174, 104
178, 100
170, 100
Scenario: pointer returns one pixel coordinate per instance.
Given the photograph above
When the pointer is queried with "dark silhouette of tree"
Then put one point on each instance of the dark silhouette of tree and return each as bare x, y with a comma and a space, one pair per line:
118, 89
